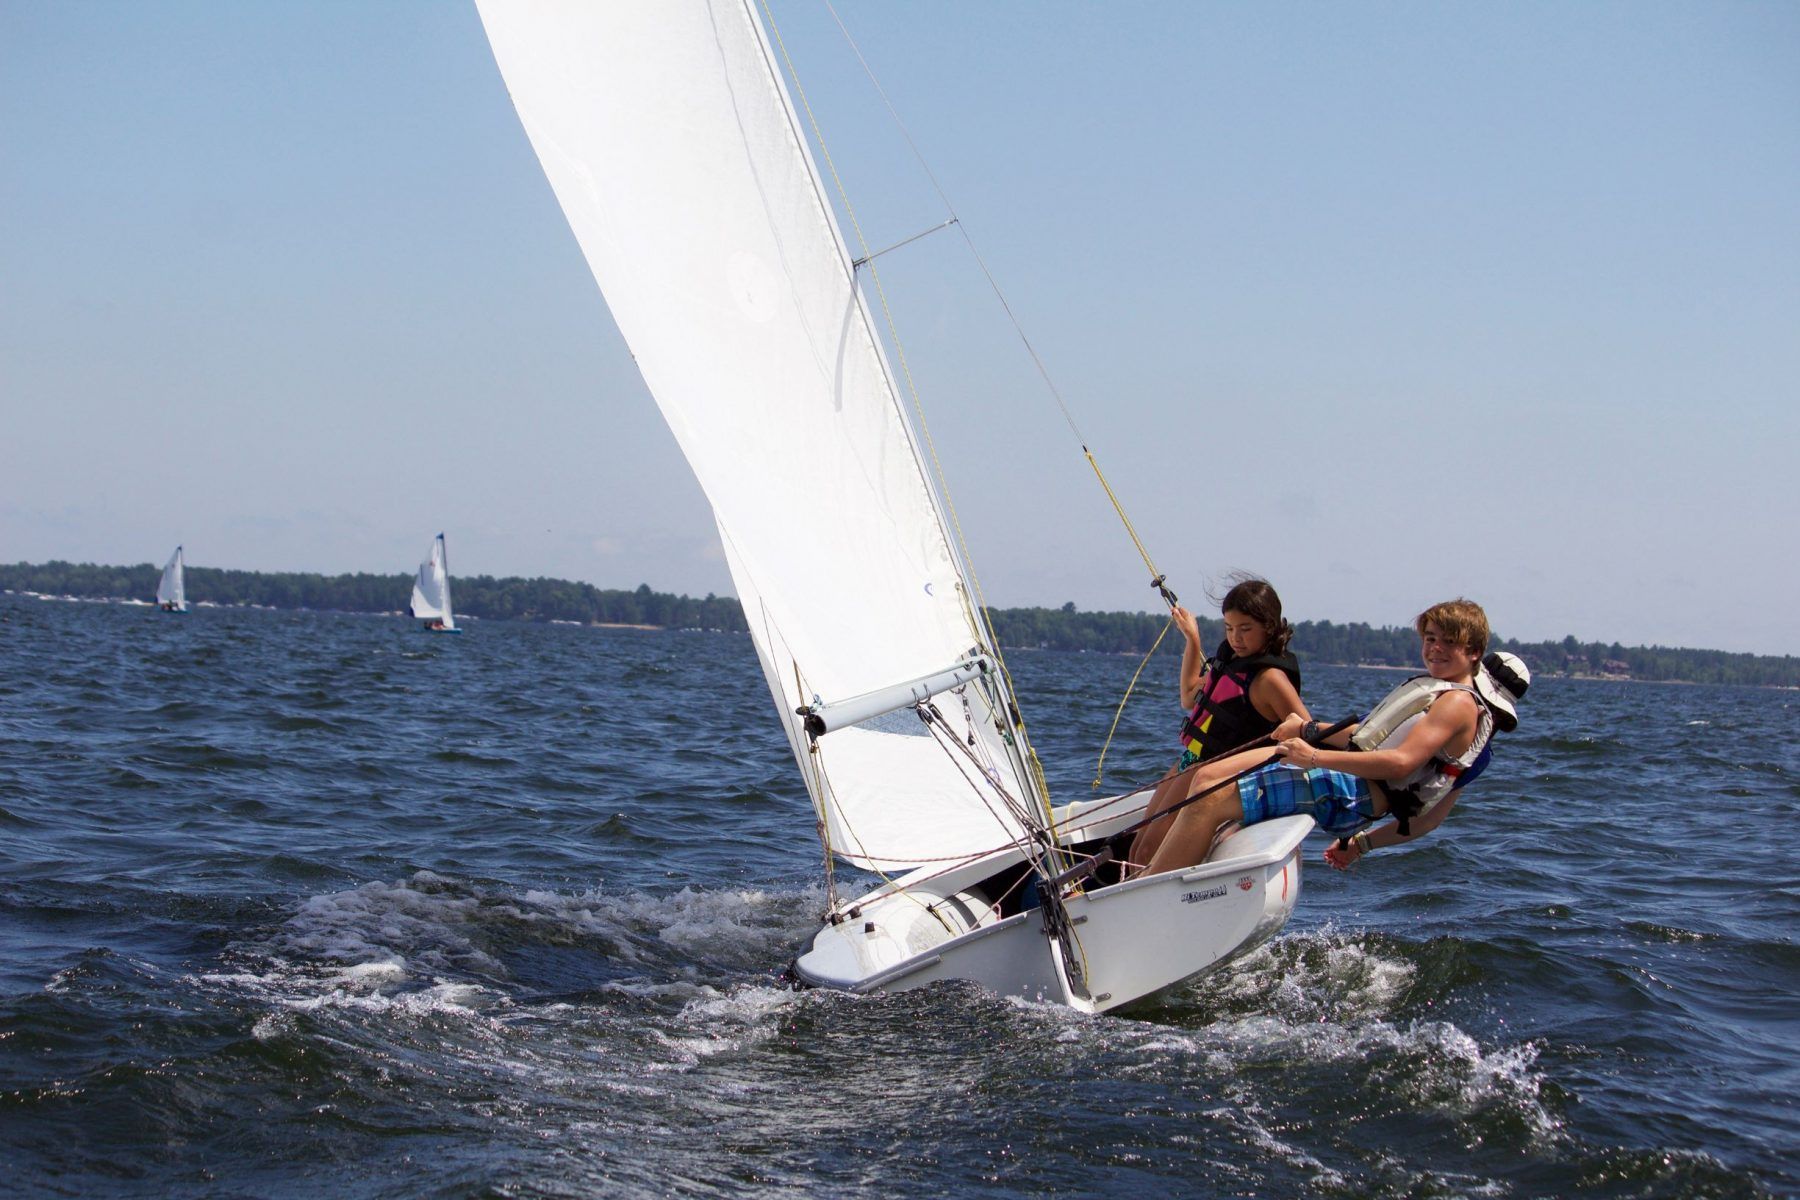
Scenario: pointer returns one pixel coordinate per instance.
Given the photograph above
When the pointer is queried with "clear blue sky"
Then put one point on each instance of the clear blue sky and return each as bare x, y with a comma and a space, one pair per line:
1387, 302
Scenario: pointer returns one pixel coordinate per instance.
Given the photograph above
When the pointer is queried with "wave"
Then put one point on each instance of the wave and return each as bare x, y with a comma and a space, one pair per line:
1311, 1001
432, 931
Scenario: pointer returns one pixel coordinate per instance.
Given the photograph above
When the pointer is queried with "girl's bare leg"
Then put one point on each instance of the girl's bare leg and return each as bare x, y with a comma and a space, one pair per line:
1187, 839
1191, 840
1174, 787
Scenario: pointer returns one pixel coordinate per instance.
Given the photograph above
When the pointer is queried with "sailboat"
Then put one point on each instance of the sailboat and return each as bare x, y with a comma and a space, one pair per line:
670, 138
171, 589
431, 591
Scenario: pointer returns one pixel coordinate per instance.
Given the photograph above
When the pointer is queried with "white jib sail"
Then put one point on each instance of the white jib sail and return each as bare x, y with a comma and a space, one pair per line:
668, 136
171, 589
431, 590
440, 560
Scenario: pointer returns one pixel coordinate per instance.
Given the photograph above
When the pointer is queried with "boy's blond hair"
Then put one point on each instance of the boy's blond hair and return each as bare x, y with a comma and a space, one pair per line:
1462, 621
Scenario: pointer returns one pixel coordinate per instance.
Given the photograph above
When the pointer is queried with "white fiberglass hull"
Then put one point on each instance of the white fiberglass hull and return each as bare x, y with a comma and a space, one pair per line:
1133, 939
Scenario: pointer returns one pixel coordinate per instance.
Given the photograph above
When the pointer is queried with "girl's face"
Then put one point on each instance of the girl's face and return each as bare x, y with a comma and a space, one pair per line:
1244, 634
1444, 658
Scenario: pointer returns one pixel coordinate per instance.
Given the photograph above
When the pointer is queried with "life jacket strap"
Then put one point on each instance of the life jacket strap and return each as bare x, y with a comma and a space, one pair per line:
1404, 804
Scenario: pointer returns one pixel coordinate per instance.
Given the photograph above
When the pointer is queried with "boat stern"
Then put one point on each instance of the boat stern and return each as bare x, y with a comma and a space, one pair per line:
1145, 935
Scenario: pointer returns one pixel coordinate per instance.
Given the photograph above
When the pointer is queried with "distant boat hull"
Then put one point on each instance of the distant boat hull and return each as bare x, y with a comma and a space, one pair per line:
1133, 939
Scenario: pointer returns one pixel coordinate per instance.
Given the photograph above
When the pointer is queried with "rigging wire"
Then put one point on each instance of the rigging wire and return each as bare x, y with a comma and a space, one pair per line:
1045, 857
1029, 846
945, 736
1024, 844
1156, 576
974, 612
816, 769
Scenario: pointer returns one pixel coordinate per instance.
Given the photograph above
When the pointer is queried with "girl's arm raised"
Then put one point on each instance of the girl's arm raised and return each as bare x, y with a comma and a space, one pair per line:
1193, 658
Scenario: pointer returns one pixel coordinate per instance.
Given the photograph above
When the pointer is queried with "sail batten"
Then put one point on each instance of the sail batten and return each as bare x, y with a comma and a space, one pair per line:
669, 138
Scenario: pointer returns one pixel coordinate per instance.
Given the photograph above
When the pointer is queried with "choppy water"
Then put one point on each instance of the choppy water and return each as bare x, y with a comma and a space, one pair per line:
307, 904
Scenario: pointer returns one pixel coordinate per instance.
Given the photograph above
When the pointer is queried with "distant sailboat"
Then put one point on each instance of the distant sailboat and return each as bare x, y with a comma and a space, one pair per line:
171, 590
431, 591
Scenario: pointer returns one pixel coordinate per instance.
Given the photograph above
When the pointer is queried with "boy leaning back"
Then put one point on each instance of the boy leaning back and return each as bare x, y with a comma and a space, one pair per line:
1409, 758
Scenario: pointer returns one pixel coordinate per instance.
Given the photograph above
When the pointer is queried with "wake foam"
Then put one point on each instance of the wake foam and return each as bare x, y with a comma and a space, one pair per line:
433, 944
1308, 1001
716, 1024
753, 925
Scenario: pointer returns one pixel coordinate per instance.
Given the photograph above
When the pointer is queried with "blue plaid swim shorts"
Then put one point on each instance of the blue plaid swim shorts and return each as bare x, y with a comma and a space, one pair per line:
1338, 803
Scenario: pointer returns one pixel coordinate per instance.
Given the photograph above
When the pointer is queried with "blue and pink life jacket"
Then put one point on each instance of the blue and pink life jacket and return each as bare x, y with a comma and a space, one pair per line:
1223, 718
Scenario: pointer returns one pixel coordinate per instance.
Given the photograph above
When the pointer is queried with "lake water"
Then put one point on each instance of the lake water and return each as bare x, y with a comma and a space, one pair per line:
301, 904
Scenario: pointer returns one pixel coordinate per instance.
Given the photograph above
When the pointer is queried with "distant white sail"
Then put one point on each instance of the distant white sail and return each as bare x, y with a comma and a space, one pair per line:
171, 590
431, 590
670, 141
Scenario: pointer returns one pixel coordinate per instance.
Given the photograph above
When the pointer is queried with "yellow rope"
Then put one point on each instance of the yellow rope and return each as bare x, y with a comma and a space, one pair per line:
1155, 575
1100, 766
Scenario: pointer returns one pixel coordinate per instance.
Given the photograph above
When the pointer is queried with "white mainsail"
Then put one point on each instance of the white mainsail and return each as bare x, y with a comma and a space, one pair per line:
431, 590
668, 135
171, 589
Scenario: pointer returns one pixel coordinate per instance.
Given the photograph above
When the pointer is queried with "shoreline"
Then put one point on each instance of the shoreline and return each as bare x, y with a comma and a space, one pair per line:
645, 627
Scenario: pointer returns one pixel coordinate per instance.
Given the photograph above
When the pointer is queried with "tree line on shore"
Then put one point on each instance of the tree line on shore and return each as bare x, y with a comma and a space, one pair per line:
480, 596
1359, 644
1064, 628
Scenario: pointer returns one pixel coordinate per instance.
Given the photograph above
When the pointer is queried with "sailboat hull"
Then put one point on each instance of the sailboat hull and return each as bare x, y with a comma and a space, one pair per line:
1131, 940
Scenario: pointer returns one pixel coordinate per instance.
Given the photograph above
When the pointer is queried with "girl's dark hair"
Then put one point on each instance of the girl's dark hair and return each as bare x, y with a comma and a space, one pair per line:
1257, 600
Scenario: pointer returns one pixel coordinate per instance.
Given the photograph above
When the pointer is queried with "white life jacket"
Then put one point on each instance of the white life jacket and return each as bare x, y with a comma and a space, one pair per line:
1389, 723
